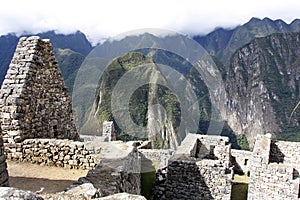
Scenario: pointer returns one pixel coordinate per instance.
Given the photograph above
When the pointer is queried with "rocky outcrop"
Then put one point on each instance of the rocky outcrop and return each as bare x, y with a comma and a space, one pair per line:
34, 100
7, 193
262, 83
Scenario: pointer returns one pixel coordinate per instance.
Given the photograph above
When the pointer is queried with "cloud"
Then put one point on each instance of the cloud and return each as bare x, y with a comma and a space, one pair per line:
102, 19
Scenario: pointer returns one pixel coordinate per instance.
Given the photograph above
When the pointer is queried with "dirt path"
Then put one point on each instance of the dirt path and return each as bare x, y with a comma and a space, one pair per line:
32, 177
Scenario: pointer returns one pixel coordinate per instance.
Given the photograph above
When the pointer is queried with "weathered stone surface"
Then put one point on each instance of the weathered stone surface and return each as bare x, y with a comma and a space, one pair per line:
160, 156
123, 196
118, 171
87, 190
34, 100
8, 193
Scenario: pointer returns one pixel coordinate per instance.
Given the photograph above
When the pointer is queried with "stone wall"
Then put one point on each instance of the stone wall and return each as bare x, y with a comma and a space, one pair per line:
3, 166
158, 157
241, 161
33, 98
199, 169
53, 152
274, 170
286, 153
108, 131
3, 170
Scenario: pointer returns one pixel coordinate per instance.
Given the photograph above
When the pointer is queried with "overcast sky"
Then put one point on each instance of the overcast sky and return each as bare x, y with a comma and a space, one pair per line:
101, 19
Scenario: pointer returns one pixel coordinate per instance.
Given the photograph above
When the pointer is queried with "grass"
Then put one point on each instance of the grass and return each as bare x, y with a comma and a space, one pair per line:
239, 188
147, 180
239, 191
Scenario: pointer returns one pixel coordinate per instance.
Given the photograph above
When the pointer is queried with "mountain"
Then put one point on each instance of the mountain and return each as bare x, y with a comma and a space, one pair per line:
262, 82
77, 44
163, 101
223, 43
69, 62
215, 41
8, 45
77, 41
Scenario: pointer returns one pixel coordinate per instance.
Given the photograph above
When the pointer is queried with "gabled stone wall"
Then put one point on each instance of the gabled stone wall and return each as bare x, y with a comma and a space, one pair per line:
34, 100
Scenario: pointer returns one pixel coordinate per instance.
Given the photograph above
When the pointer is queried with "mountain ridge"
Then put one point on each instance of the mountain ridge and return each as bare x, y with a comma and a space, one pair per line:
243, 34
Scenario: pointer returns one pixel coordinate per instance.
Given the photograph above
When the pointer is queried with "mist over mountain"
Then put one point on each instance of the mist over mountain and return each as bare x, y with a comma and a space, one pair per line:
223, 43
259, 63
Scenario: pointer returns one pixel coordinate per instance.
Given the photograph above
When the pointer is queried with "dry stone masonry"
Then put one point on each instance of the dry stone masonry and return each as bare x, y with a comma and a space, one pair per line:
108, 131
53, 152
34, 100
241, 161
200, 169
274, 170
3, 170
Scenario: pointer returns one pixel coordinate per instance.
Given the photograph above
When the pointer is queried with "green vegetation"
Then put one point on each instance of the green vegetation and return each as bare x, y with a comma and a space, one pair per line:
239, 191
147, 180
140, 100
243, 142
291, 134
69, 62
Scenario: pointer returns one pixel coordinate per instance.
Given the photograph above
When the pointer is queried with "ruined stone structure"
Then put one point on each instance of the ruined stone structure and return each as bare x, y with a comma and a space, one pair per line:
38, 127
108, 131
274, 170
33, 98
199, 169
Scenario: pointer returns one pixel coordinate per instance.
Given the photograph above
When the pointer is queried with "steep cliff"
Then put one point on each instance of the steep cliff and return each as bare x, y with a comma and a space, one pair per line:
159, 110
262, 83
160, 121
